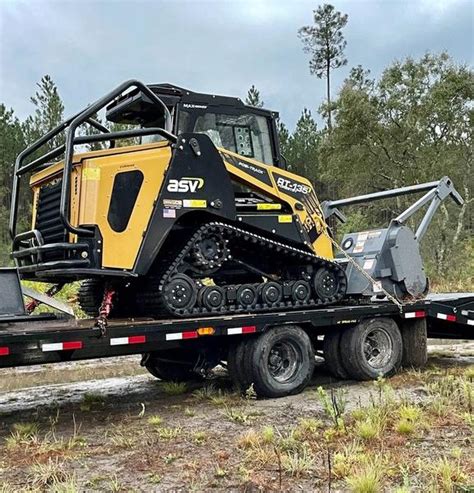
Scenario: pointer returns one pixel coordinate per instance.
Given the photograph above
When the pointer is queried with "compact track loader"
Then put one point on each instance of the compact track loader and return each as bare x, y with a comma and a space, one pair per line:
201, 216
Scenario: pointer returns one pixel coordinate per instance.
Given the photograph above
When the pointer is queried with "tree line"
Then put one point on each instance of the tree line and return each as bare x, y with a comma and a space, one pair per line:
413, 123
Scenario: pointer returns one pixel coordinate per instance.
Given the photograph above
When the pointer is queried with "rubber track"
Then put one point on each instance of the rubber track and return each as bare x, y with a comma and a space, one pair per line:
231, 233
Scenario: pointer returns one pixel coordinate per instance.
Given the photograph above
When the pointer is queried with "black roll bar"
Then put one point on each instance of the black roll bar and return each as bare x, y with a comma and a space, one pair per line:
70, 126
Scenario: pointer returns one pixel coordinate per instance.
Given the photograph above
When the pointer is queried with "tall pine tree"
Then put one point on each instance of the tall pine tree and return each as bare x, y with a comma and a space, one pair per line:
325, 44
49, 112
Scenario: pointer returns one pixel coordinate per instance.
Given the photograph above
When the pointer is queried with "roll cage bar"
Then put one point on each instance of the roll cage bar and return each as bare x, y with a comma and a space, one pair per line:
70, 126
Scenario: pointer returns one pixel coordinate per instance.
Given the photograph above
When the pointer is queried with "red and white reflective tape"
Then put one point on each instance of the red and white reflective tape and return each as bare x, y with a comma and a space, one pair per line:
248, 329
4, 351
449, 318
61, 346
177, 336
123, 341
418, 314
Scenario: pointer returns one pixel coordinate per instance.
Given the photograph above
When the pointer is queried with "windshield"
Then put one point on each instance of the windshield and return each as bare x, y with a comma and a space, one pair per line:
245, 134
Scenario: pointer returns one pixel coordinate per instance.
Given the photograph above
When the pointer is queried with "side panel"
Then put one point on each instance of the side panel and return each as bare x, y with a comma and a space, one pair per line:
120, 247
194, 185
286, 187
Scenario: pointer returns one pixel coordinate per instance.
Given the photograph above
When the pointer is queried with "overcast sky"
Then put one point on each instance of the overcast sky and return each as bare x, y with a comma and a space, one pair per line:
216, 46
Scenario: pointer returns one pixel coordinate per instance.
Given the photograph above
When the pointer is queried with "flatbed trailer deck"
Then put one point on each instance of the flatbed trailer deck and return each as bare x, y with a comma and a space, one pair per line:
29, 340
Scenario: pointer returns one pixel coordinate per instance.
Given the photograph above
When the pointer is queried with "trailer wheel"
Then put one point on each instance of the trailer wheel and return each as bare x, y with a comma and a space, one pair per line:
238, 364
415, 343
282, 361
372, 348
171, 367
332, 353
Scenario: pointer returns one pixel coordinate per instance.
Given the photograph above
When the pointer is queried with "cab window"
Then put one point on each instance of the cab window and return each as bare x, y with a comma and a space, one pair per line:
247, 134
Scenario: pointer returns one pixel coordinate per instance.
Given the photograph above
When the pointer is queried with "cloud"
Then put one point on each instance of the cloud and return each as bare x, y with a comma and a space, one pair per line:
217, 46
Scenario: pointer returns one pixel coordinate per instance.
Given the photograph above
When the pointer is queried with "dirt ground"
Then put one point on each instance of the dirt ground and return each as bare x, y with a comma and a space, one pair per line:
107, 425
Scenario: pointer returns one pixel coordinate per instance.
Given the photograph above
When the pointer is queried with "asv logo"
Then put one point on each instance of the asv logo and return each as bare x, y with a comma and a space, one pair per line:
186, 184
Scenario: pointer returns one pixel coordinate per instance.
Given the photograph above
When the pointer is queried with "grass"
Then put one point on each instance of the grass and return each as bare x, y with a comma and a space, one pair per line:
92, 401
26, 436
298, 463
368, 475
22, 434
123, 439
51, 475
409, 419
174, 388
446, 475
236, 415
155, 420
199, 437
334, 404
346, 459
169, 433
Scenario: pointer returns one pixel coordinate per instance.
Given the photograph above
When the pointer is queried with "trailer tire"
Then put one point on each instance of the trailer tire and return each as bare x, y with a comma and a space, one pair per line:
332, 353
372, 348
415, 343
238, 364
280, 361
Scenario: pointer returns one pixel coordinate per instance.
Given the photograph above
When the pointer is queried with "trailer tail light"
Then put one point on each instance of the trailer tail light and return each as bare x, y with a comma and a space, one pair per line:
448, 318
206, 331
123, 341
61, 346
418, 314
177, 336
247, 329
4, 351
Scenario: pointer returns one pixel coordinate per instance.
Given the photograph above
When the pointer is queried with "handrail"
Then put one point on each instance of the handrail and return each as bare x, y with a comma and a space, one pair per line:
70, 126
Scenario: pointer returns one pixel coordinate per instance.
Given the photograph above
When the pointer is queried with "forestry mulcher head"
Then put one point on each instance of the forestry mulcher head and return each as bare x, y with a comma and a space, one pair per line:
200, 216
388, 260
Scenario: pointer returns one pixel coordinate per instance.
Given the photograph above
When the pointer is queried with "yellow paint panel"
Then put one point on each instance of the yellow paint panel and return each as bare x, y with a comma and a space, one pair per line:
120, 249
92, 174
310, 219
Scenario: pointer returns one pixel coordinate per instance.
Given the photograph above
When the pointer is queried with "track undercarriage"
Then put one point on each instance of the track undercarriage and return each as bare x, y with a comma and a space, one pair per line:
221, 268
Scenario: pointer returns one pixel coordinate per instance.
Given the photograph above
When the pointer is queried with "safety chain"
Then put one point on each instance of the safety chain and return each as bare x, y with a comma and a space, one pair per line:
105, 309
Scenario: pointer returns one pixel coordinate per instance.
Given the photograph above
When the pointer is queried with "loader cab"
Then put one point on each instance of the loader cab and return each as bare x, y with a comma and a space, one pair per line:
227, 121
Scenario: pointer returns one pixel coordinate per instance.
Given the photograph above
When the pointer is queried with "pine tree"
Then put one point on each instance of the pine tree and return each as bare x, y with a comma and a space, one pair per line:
325, 43
48, 114
12, 143
253, 98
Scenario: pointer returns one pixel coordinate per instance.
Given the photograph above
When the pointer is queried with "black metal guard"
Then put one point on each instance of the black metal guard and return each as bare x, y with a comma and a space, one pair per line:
71, 125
